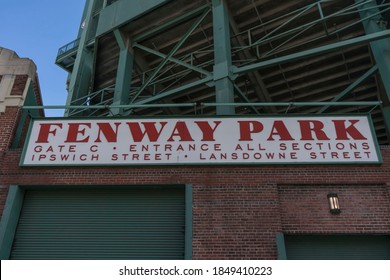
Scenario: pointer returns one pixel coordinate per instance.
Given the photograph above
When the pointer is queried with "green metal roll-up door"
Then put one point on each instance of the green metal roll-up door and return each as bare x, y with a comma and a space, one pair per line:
131, 223
337, 247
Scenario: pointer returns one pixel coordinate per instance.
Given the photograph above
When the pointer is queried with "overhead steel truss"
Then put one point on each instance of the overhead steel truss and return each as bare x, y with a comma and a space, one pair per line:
229, 55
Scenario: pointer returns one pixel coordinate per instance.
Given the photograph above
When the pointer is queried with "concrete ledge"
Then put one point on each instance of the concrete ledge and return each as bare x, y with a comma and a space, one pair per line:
12, 64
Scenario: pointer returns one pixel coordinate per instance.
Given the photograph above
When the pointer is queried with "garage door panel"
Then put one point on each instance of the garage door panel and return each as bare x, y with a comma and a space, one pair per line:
338, 247
136, 223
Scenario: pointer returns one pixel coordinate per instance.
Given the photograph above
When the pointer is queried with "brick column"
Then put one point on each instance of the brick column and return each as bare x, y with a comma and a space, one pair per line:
16, 76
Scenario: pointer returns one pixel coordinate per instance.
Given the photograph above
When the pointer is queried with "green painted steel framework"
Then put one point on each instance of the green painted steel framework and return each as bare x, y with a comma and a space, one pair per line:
222, 72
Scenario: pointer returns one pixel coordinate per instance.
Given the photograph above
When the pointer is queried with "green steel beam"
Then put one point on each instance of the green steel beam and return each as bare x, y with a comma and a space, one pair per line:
143, 104
127, 106
257, 81
300, 28
9, 220
175, 91
224, 87
351, 87
84, 17
283, 104
312, 52
169, 55
176, 21
82, 69
242, 96
374, 23
124, 11
172, 59
124, 73
280, 27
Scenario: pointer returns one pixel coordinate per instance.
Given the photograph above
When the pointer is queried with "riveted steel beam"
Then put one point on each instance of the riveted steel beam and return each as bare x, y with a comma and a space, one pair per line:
312, 52
242, 96
169, 55
127, 106
351, 87
224, 88
172, 59
124, 73
303, 104
175, 91
257, 81
178, 20
374, 23
123, 11
82, 70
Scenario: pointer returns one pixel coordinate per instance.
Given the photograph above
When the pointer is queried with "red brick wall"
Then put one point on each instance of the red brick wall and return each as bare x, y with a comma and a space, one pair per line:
364, 209
199, 175
8, 123
237, 222
237, 210
19, 85
37, 91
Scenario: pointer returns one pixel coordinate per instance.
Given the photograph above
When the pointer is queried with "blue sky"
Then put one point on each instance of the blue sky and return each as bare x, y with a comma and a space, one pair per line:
36, 30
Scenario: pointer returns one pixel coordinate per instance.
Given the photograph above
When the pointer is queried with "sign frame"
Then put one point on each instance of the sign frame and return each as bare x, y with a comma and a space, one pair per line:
216, 163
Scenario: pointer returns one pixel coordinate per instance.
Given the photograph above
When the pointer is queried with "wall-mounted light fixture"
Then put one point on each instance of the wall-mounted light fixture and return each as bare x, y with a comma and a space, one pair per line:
334, 205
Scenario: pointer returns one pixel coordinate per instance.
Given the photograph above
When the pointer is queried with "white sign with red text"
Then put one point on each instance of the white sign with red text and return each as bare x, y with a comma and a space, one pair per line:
230, 140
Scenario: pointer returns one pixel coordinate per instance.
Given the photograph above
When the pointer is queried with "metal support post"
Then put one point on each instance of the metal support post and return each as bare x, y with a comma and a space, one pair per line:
224, 88
82, 70
124, 73
373, 23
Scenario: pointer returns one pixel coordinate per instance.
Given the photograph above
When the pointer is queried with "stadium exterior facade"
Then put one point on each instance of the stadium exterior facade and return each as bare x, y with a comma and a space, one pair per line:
204, 130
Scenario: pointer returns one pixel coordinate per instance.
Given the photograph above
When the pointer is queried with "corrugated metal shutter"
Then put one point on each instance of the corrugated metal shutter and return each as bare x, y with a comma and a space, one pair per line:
132, 223
337, 247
